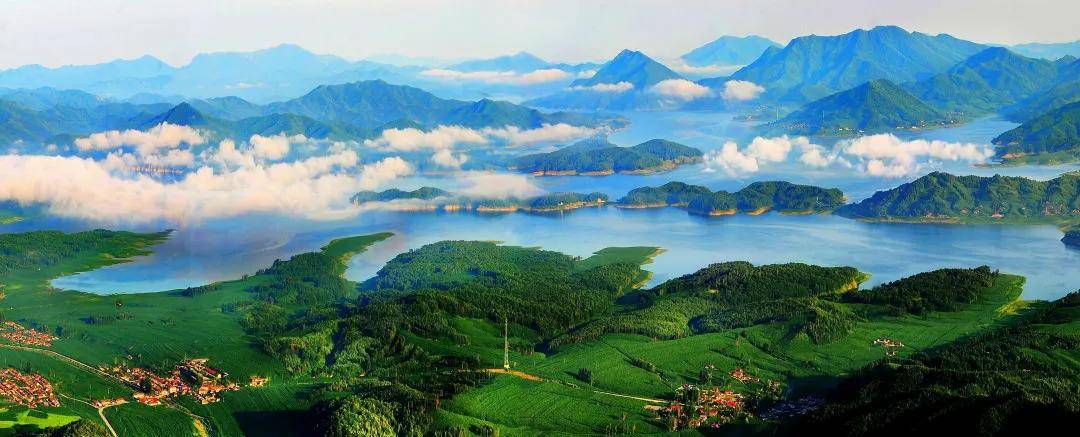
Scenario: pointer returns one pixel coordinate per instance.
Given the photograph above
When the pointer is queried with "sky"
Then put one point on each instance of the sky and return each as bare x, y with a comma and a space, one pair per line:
59, 32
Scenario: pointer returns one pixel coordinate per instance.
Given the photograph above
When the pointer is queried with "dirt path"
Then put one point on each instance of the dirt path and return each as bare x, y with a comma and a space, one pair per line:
100, 412
649, 400
516, 373
200, 427
60, 357
531, 377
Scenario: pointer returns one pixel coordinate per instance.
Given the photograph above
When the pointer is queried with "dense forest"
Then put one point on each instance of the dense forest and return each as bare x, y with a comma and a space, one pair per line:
600, 156
875, 106
939, 290
772, 195
942, 196
1018, 379
48, 248
1055, 135
755, 198
697, 302
669, 194
422, 193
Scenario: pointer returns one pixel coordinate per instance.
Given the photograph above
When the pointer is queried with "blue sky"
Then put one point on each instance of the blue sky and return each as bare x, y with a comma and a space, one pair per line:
56, 32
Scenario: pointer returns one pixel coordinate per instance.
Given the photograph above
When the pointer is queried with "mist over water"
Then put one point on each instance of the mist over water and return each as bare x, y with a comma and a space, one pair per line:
226, 249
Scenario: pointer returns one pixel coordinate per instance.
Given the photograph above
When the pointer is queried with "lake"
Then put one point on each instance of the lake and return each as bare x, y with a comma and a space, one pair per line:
225, 249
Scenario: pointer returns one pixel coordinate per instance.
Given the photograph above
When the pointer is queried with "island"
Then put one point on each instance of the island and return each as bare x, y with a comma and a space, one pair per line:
756, 198
1051, 138
422, 193
435, 199
597, 156
873, 107
945, 198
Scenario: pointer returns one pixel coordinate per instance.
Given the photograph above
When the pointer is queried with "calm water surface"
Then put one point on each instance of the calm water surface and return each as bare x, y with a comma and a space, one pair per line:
226, 249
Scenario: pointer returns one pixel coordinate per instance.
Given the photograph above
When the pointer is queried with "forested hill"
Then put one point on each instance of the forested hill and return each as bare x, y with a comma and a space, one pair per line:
597, 156
811, 67
1024, 376
875, 106
759, 197
1053, 137
945, 197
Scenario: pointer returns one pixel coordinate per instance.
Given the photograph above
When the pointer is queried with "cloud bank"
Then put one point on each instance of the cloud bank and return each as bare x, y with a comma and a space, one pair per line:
741, 90
889, 156
448, 137
883, 155
105, 190
500, 77
680, 89
605, 87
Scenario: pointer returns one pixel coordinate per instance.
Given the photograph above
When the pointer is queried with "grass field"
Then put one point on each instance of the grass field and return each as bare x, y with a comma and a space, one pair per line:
155, 330
345, 248
563, 403
159, 329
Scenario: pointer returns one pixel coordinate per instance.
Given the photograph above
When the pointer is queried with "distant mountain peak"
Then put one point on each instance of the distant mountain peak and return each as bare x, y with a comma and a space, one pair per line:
729, 50
630, 66
182, 114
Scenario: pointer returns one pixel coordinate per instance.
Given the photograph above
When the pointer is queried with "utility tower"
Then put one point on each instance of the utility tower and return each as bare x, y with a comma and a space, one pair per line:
506, 344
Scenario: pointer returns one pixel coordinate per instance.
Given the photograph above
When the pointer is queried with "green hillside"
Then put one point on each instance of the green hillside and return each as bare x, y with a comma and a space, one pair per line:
875, 106
593, 157
985, 82
1051, 138
812, 67
998, 199
418, 348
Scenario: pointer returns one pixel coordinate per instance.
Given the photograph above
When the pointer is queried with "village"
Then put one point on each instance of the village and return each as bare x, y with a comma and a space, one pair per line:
16, 333
28, 389
891, 346
192, 377
698, 406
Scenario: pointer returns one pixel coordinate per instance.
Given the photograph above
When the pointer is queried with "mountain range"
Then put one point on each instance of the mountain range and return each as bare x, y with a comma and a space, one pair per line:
622, 83
811, 67
986, 81
347, 111
1051, 51
277, 73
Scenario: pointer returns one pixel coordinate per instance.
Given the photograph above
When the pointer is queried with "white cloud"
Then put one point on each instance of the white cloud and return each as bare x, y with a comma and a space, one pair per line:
162, 136
705, 70
893, 169
411, 139
761, 150
741, 90
227, 155
172, 158
889, 156
500, 77
605, 87
516, 136
273, 147
680, 89
448, 137
446, 158
775, 149
730, 160
317, 187
487, 185
585, 74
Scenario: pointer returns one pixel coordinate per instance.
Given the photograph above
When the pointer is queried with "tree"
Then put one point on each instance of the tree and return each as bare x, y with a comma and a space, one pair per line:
355, 417
585, 375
